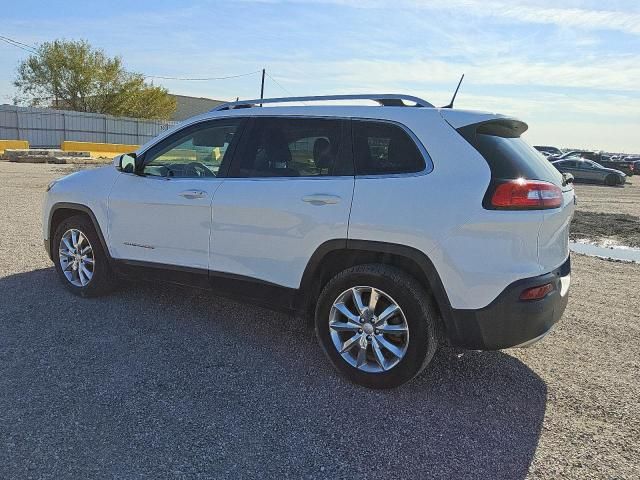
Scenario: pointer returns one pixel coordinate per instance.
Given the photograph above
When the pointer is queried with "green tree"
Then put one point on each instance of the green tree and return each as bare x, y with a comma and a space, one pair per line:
73, 75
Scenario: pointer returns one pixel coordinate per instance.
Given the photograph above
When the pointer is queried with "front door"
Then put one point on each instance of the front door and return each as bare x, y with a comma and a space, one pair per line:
289, 190
163, 215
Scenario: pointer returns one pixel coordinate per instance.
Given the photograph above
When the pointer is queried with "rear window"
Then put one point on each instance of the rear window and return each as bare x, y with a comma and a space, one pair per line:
512, 157
383, 148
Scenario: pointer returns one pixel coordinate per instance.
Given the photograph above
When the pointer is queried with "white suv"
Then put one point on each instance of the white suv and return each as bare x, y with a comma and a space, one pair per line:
397, 227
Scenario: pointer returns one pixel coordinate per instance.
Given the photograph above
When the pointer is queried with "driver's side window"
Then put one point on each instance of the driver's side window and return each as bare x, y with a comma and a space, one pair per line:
199, 152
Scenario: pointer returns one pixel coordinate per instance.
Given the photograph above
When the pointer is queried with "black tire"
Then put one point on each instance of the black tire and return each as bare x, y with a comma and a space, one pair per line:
102, 281
611, 180
413, 300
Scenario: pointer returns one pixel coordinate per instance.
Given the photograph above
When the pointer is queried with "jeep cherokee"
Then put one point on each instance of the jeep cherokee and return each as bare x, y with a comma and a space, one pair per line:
397, 227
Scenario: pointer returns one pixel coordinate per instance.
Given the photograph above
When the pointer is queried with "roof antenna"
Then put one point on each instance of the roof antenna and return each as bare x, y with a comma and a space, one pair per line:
454, 93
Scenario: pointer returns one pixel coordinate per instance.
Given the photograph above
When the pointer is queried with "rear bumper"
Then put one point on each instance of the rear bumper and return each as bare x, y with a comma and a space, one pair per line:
508, 321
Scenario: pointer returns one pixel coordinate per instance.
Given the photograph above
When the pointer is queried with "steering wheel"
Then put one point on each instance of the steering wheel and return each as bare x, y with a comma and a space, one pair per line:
199, 169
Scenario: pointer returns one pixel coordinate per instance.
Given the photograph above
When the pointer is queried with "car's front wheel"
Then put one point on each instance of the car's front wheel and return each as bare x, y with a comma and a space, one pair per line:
377, 325
611, 180
80, 259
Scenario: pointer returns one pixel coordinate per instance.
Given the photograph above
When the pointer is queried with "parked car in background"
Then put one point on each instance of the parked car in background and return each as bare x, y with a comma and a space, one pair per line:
633, 160
628, 168
636, 165
570, 153
548, 150
590, 171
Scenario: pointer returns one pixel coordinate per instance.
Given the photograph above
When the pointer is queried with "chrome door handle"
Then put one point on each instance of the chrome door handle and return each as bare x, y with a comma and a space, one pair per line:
321, 199
193, 194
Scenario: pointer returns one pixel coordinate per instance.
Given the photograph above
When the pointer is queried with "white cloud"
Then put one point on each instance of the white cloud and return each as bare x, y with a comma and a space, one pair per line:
603, 74
540, 12
567, 17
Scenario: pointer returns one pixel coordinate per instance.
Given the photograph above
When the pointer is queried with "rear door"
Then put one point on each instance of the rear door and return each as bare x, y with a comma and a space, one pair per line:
569, 166
596, 172
289, 190
583, 171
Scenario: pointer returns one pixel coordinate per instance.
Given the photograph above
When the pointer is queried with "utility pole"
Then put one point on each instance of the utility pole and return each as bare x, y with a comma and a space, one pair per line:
262, 87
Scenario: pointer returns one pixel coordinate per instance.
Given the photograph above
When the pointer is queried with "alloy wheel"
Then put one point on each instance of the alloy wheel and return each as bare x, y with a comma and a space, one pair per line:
368, 329
76, 257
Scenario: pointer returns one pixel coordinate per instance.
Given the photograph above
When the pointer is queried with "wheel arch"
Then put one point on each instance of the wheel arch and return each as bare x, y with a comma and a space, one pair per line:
63, 210
336, 255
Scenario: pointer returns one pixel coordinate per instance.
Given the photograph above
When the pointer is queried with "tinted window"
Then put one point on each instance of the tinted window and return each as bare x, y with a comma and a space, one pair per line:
384, 148
293, 147
198, 151
512, 157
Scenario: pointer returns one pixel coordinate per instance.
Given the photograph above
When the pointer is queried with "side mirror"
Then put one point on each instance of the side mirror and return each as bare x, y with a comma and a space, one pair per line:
567, 178
127, 163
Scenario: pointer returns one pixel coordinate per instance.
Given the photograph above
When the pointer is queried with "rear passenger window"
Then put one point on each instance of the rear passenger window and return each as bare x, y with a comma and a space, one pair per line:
384, 148
293, 147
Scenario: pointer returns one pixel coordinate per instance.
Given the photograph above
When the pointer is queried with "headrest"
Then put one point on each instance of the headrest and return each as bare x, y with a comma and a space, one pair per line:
322, 155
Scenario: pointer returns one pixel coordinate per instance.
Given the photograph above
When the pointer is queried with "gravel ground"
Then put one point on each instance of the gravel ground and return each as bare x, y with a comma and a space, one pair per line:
615, 228
619, 200
158, 381
608, 214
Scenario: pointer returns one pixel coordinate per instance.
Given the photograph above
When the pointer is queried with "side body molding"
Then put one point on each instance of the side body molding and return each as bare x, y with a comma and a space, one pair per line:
377, 251
80, 209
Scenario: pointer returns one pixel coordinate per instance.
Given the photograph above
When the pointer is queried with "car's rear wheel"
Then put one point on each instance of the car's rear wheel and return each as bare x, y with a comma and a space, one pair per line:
611, 180
80, 259
377, 325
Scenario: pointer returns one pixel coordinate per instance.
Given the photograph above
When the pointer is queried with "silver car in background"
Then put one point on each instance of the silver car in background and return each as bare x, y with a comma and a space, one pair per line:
589, 171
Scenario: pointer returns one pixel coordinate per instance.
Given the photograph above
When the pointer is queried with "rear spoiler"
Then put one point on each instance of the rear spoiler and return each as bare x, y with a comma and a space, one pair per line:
500, 127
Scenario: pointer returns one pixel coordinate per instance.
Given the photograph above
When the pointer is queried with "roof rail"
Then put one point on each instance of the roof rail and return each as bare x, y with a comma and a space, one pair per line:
385, 100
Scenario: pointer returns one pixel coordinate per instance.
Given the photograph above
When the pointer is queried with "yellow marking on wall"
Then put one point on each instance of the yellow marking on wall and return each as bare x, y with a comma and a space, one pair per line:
12, 144
98, 150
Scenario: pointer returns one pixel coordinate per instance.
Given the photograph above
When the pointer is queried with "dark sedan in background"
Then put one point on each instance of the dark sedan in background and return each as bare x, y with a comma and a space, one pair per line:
590, 171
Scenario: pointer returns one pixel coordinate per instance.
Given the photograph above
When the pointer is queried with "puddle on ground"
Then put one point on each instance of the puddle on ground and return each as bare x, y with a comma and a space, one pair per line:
617, 252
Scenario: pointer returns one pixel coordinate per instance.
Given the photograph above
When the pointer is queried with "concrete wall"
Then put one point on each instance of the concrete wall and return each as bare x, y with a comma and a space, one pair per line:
48, 128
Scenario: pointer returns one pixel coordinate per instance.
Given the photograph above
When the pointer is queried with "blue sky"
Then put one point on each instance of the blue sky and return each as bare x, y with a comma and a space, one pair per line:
570, 69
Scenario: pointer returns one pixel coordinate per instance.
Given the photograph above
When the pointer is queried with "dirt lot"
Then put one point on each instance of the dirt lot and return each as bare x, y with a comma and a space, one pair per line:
619, 200
157, 381
608, 213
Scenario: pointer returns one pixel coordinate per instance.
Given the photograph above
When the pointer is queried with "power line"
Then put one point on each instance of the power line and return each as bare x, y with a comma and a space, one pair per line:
12, 40
20, 45
278, 83
203, 78
33, 49
284, 89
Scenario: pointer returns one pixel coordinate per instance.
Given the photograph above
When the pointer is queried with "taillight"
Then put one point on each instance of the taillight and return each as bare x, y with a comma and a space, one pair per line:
536, 293
524, 194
